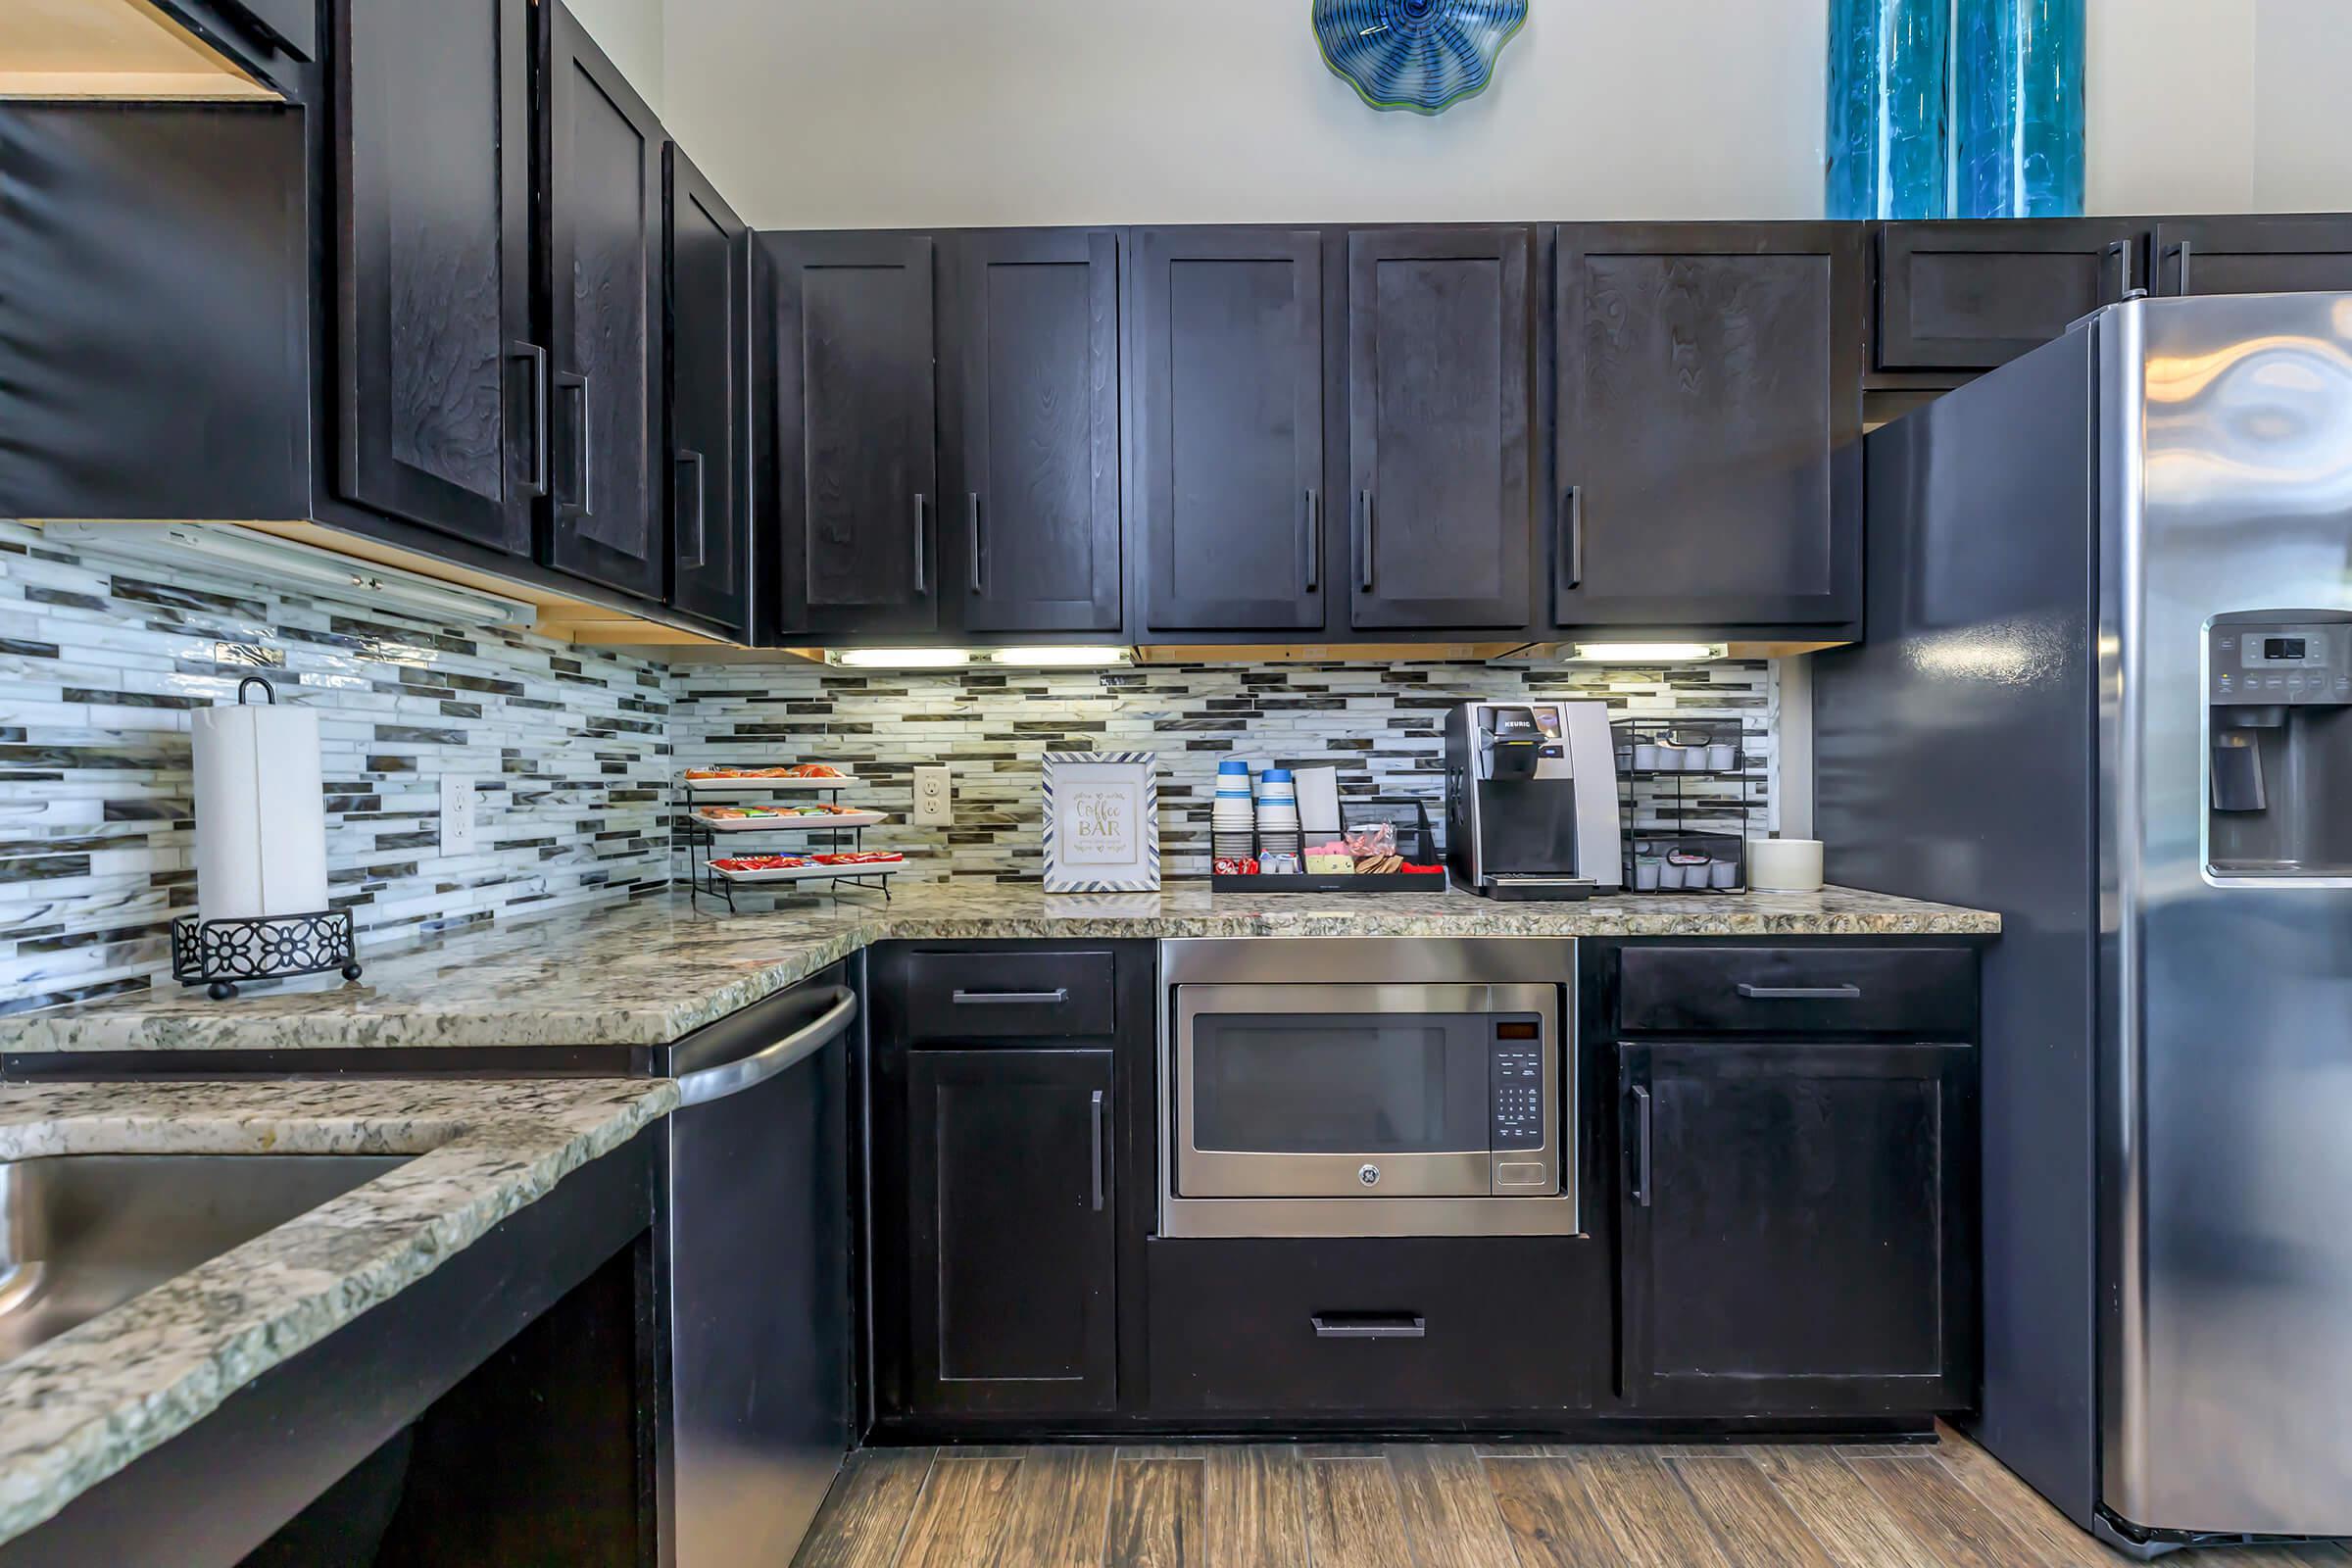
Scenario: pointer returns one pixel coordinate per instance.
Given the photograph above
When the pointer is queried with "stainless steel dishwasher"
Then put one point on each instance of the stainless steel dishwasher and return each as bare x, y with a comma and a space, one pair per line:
753, 1239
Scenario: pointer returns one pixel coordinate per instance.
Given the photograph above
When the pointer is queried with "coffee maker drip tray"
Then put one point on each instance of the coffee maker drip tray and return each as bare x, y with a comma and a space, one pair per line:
1539, 889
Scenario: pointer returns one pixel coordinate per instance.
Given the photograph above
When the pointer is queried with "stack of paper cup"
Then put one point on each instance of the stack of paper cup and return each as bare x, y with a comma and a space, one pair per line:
1277, 812
1232, 815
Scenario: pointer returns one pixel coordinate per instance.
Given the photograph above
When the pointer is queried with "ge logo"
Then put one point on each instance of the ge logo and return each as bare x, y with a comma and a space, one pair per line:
1369, 1175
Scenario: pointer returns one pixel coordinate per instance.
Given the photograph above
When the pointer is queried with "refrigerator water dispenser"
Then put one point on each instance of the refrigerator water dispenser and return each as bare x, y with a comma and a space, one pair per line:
2279, 739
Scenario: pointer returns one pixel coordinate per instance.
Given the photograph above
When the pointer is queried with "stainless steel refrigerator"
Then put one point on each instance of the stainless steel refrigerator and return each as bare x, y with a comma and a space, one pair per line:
2106, 689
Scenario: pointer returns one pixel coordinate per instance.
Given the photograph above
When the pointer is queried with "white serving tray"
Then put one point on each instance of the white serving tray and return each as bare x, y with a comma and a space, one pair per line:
806, 873
791, 824
759, 786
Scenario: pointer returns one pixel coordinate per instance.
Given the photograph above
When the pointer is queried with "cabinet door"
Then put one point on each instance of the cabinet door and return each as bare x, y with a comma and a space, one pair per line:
1797, 1227
710, 401
1228, 490
441, 397
1440, 337
856, 431
1971, 295
1031, 432
1012, 1232
604, 208
2246, 255
1709, 424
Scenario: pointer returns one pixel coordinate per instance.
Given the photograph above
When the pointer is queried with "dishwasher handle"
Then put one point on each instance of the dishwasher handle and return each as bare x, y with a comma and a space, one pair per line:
702, 1087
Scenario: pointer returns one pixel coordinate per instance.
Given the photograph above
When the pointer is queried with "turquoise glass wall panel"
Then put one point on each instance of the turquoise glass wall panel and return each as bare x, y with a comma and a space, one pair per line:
2016, 108
1887, 140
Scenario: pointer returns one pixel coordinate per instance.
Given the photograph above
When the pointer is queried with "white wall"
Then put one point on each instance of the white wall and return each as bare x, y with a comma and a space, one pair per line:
875, 113
630, 31
2218, 106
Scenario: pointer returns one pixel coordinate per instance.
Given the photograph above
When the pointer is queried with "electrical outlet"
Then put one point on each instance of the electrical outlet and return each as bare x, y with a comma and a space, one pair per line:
457, 814
934, 798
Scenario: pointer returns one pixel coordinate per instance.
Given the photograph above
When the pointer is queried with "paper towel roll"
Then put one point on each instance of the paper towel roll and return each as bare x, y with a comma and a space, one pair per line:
1783, 866
261, 815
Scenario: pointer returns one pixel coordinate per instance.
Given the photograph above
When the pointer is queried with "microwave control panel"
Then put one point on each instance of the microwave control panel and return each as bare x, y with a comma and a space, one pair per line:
1515, 1083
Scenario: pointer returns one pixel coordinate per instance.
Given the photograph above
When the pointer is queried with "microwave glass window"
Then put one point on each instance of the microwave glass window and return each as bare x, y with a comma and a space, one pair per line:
1347, 1084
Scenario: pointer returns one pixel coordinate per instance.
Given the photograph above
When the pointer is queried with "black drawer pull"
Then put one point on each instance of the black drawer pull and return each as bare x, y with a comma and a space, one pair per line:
1026, 999
1849, 993
1351, 1326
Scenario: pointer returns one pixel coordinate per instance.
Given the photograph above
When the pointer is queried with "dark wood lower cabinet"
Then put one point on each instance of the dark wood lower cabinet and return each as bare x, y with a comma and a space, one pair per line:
1797, 1225
1011, 1231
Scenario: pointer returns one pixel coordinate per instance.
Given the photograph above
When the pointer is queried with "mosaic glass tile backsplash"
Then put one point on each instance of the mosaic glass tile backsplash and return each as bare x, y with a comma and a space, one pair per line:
575, 752
1378, 724
101, 658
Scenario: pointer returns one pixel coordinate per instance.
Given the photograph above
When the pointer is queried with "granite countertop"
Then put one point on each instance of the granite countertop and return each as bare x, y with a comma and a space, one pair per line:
648, 973
78, 1407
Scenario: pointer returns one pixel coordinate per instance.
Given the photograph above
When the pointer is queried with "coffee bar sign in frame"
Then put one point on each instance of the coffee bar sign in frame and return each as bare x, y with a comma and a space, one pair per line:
1101, 823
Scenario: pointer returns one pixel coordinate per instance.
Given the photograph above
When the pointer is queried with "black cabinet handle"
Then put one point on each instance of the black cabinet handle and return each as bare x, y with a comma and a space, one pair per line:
922, 581
1847, 993
1310, 540
702, 529
537, 483
971, 511
1640, 1146
1366, 540
1034, 998
1369, 1326
2182, 251
2120, 251
1572, 552
1099, 1141
576, 389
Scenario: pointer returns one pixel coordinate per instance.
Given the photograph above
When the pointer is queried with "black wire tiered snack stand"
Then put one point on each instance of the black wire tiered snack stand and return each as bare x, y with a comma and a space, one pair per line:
1672, 773
702, 839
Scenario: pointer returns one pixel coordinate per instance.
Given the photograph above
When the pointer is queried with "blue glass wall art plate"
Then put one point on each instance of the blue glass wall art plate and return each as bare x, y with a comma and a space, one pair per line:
1421, 55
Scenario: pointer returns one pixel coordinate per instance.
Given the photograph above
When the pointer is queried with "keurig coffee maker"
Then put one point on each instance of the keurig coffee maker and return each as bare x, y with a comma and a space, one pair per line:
1531, 800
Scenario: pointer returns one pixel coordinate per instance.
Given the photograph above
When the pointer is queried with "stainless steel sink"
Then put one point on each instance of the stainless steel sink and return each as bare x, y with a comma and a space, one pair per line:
83, 1232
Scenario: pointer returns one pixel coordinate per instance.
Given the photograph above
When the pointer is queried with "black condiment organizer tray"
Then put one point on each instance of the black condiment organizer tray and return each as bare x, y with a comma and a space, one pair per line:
1737, 812
1414, 842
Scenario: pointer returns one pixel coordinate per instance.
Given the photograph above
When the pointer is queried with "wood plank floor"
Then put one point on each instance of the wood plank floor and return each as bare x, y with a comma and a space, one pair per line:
1460, 1505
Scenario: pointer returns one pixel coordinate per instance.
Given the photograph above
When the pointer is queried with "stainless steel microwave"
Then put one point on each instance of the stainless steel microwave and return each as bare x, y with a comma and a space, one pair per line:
1339, 1086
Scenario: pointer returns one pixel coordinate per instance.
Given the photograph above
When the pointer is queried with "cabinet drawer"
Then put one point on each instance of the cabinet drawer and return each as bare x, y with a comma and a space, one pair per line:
1926, 992
1373, 1328
1006, 996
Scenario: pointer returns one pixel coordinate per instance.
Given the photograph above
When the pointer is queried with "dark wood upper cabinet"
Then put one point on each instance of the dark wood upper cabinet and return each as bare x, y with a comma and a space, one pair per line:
1969, 296
1228, 402
2289, 254
855, 431
1795, 1227
604, 216
441, 391
710, 400
1441, 338
1011, 1231
1708, 424
1030, 430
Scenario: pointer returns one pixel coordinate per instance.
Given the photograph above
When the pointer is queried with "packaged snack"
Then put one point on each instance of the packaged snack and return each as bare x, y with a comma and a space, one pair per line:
1372, 840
